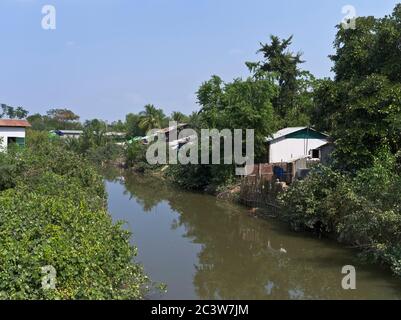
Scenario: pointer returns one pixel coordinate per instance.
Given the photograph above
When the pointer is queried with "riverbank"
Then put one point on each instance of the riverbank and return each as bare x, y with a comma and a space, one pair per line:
58, 240
360, 212
204, 248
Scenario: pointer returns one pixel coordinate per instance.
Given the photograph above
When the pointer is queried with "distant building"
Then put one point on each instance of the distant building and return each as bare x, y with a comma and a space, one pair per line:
68, 133
117, 135
325, 151
12, 132
294, 143
170, 134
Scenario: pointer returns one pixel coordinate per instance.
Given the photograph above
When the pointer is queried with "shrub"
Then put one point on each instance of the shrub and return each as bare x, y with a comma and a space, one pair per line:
105, 153
307, 203
135, 155
363, 210
55, 215
201, 177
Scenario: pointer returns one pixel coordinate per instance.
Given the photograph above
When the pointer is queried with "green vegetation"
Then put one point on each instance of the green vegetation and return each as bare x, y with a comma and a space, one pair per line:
55, 119
94, 144
276, 94
132, 127
179, 117
245, 104
363, 210
293, 103
12, 112
361, 107
135, 157
358, 200
151, 118
52, 213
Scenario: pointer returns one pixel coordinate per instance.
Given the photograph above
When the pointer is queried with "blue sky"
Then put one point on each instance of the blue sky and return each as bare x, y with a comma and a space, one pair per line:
111, 57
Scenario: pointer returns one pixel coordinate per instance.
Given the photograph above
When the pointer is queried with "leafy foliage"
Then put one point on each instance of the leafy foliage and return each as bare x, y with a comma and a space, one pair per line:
132, 121
55, 119
361, 107
241, 104
294, 101
151, 118
363, 210
179, 117
54, 214
135, 155
12, 112
95, 144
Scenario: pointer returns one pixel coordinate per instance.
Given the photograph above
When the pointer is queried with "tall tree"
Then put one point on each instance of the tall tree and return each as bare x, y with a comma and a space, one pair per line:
13, 113
245, 104
62, 115
132, 121
21, 113
118, 126
361, 107
294, 98
240, 104
179, 117
151, 118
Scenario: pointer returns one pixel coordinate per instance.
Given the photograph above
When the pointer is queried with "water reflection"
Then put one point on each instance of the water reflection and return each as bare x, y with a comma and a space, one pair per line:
207, 249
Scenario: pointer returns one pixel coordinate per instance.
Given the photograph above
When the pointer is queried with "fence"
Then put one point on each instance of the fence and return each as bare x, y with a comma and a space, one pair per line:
259, 188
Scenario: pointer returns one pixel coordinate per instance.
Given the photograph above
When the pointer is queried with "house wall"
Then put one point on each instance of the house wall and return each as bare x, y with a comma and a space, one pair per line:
6, 132
286, 150
325, 154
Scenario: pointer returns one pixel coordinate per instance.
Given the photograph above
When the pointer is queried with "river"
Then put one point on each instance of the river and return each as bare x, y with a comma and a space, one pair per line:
203, 248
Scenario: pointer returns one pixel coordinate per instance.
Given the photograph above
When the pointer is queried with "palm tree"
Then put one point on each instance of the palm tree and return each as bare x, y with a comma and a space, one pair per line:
151, 118
179, 117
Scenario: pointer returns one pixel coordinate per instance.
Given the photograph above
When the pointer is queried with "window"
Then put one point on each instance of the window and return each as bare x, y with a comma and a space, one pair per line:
11, 140
315, 154
18, 141
21, 142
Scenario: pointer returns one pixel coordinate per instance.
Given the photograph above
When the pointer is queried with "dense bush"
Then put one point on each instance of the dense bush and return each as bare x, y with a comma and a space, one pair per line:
106, 153
308, 202
201, 177
95, 144
363, 210
54, 215
135, 157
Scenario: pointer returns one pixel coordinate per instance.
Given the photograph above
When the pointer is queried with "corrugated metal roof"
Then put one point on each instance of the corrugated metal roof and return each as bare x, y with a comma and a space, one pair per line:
14, 123
70, 131
284, 132
169, 129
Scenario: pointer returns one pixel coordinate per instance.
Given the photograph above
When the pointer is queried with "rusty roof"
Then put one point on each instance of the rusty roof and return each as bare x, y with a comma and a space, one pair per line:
14, 123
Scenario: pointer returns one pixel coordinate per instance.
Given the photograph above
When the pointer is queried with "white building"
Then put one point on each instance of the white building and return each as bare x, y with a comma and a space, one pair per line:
68, 133
290, 144
12, 131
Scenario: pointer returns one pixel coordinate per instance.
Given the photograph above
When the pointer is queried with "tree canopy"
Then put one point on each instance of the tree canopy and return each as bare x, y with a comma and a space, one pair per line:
361, 107
294, 100
151, 118
62, 115
13, 112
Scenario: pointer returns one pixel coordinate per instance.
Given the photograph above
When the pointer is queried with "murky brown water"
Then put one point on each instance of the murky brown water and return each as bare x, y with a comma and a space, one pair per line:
207, 249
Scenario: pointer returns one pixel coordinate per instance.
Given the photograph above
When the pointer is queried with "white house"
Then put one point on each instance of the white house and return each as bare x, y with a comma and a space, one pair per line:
12, 131
68, 133
290, 144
